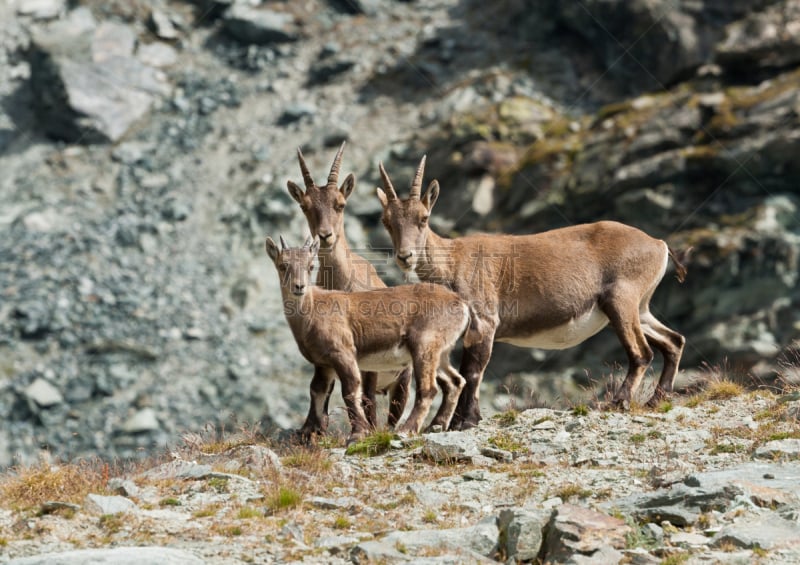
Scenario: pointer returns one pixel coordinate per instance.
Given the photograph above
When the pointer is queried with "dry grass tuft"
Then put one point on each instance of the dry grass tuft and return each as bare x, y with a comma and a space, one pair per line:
722, 390
716, 385
310, 459
25, 488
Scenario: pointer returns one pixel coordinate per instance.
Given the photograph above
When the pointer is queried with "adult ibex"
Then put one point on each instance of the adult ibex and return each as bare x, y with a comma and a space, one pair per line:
341, 269
550, 290
344, 333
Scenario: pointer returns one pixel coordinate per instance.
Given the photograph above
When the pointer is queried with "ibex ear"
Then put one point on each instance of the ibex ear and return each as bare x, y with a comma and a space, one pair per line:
295, 191
272, 249
382, 197
431, 194
348, 185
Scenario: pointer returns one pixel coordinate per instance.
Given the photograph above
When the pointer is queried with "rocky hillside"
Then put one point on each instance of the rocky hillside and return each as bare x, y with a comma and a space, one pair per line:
145, 148
712, 480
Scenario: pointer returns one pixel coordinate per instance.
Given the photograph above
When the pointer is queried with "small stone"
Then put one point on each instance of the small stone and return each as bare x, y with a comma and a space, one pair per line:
157, 54
548, 425
123, 487
331, 542
449, 447
42, 9
43, 221
143, 421
688, 539
344, 503
476, 475
154, 181
296, 112
43, 393
104, 505
498, 454
162, 25
260, 27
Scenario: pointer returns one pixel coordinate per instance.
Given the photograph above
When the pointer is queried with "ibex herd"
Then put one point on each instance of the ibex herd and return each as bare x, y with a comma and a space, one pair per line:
551, 290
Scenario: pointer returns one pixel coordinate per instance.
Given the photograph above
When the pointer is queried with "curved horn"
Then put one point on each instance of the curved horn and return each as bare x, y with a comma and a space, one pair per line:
284, 247
416, 186
309, 241
387, 183
333, 177
307, 179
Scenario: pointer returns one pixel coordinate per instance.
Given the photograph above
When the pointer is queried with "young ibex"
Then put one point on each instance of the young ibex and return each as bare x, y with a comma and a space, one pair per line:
550, 290
344, 333
341, 269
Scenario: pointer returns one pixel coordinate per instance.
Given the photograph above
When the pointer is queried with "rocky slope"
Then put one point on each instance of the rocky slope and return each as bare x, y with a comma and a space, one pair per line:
145, 148
710, 480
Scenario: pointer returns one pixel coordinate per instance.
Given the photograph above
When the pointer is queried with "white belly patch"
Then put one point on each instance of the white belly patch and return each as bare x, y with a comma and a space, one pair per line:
565, 336
390, 360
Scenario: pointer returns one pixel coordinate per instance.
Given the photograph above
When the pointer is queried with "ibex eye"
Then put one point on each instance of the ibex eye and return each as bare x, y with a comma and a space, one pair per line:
338, 207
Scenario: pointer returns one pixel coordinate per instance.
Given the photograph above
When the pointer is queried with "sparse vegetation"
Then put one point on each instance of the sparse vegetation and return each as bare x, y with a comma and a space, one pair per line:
664, 406
170, 501
283, 498
25, 488
675, 559
572, 490
341, 523
374, 444
111, 523
219, 484
249, 512
430, 516
580, 410
207, 510
506, 442
636, 439
507, 418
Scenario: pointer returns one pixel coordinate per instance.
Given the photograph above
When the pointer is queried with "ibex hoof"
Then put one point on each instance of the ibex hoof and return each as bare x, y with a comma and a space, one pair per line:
658, 397
306, 435
623, 404
355, 437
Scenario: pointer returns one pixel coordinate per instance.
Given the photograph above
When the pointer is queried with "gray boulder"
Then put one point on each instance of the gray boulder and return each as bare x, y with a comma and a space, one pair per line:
765, 532
763, 39
108, 504
575, 532
88, 86
522, 532
468, 544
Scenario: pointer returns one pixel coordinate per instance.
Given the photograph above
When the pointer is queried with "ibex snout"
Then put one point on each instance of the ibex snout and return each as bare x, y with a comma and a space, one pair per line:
405, 258
326, 237
298, 289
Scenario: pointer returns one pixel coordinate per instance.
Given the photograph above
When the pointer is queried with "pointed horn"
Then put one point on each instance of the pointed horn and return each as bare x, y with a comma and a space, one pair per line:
416, 186
284, 247
307, 179
333, 177
387, 183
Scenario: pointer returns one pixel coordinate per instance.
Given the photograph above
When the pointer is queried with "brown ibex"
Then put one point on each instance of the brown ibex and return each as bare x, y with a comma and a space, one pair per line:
344, 333
550, 290
341, 269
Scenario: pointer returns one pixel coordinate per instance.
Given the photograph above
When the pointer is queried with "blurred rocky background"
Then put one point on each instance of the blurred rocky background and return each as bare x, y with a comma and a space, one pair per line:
145, 148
